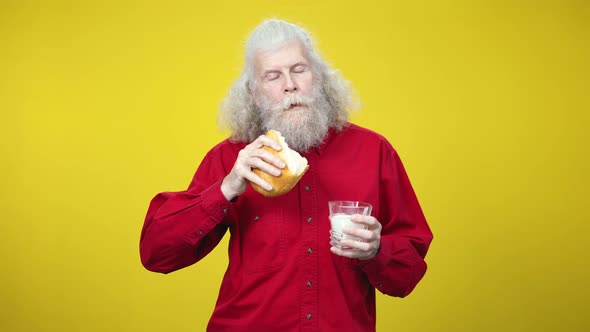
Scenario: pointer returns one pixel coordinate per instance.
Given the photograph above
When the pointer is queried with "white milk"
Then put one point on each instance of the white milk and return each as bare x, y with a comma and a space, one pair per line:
341, 220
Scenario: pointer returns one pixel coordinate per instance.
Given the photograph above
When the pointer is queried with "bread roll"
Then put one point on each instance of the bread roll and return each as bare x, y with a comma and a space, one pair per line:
296, 166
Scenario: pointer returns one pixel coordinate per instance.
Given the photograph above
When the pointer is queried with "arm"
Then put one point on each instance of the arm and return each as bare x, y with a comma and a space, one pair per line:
393, 248
183, 227
405, 236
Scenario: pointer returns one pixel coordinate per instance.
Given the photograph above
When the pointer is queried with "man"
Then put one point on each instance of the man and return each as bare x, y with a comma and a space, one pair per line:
283, 273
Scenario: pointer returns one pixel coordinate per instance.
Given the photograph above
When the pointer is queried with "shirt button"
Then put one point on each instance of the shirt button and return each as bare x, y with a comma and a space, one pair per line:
309, 219
200, 232
308, 316
224, 210
308, 284
309, 250
380, 285
256, 218
307, 188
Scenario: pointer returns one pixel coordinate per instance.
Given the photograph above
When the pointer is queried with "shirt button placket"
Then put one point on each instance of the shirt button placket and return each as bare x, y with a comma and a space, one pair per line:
310, 237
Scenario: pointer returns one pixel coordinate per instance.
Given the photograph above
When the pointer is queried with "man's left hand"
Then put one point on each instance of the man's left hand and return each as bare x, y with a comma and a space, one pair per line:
369, 243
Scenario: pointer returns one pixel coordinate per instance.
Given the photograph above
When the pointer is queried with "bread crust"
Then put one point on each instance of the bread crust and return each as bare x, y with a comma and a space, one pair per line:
283, 183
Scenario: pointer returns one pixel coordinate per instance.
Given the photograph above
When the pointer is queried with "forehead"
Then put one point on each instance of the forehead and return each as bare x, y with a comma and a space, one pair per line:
282, 57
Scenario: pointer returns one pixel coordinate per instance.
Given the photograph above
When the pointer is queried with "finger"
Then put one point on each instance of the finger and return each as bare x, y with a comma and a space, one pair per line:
264, 140
252, 177
247, 158
268, 157
363, 234
334, 242
341, 252
263, 166
370, 221
356, 245
347, 252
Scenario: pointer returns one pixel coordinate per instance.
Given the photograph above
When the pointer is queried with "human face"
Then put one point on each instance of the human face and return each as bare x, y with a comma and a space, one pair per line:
283, 72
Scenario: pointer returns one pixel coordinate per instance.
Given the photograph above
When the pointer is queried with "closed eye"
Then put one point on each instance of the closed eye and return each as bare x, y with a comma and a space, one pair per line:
270, 76
299, 69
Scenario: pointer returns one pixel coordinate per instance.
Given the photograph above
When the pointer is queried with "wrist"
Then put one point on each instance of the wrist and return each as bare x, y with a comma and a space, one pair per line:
228, 192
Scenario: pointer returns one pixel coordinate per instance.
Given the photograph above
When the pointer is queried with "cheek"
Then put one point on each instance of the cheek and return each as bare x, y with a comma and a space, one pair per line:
306, 84
273, 93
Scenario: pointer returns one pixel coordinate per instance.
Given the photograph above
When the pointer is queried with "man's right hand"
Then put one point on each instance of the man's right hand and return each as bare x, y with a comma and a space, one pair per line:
252, 156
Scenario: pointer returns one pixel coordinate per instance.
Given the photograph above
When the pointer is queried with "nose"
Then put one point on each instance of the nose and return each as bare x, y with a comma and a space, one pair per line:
290, 85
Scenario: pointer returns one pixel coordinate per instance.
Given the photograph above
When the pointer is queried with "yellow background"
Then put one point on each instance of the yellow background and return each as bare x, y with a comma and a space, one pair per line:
105, 103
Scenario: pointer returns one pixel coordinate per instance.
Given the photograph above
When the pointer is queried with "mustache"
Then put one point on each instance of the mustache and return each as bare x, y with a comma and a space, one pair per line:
292, 100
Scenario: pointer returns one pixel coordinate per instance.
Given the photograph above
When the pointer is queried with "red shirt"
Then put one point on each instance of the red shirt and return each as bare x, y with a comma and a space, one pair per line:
281, 274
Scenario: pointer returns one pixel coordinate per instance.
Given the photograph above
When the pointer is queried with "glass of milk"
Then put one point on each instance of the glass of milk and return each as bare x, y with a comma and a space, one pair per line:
340, 213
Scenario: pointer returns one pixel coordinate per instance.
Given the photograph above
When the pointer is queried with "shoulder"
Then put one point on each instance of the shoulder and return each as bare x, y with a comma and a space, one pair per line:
355, 132
225, 149
227, 145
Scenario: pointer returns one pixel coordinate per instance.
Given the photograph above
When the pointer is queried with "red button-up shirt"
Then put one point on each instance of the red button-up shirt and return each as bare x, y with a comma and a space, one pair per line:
281, 274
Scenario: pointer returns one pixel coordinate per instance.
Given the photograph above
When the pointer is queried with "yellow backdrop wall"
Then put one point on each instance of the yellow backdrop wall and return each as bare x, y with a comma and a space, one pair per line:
106, 103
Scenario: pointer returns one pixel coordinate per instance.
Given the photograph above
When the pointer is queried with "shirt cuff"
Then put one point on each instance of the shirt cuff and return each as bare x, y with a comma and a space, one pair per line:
215, 207
376, 264
215, 203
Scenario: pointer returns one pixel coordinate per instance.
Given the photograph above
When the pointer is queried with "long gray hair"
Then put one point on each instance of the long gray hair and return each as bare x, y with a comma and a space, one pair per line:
238, 111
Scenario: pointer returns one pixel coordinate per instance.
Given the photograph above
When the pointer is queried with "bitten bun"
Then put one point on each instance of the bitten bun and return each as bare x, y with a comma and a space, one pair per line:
296, 166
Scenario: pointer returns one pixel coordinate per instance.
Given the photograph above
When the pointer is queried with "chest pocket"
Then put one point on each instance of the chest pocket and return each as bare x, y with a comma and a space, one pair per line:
262, 238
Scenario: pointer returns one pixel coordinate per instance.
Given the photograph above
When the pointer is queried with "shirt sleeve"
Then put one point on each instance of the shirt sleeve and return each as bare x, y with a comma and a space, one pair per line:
181, 228
405, 237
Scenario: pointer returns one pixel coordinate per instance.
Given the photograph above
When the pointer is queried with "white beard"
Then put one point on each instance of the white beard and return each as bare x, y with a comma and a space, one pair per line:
303, 128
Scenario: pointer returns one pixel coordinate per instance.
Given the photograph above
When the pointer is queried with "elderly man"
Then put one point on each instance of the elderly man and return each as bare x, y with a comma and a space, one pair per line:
284, 273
